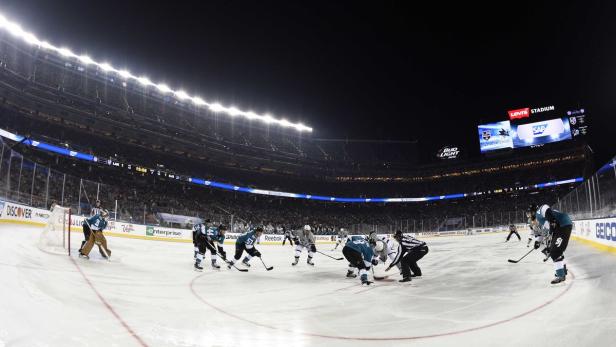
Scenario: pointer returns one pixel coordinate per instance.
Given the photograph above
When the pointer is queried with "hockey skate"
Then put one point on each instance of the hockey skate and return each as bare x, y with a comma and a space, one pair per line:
351, 274
81, 255
245, 262
198, 266
364, 280
309, 262
560, 276
215, 265
296, 261
405, 279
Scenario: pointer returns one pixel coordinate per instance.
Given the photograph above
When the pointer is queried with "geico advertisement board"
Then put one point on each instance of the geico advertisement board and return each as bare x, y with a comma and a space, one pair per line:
23, 214
602, 231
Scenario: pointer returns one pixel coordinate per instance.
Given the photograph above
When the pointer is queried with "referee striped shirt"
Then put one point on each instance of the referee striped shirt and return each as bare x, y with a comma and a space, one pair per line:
404, 246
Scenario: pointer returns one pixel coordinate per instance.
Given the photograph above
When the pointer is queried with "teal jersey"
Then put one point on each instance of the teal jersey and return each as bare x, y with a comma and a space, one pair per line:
561, 218
249, 239
360, 244
213, 234
96, 222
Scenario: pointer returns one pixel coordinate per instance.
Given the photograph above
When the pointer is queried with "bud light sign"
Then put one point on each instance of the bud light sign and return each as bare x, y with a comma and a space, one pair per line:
447, 153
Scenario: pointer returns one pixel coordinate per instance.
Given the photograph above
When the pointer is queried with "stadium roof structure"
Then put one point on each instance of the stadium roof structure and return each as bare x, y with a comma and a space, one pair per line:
17, 31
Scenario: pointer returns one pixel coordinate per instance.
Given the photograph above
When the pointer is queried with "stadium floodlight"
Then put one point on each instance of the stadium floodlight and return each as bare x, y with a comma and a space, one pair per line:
106, 67
66, 52
216, 107
268, 119
86, 60
145, 81
285, 123
125, 74
47, 45
181, 95
16, 30
163, 88
198, 101
31, 39
234, 111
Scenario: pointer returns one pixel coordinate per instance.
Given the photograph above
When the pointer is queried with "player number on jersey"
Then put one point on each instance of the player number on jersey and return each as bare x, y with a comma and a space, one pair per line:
559, 241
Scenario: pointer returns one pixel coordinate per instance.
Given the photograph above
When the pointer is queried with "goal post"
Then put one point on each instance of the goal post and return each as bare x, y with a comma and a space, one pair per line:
56, 237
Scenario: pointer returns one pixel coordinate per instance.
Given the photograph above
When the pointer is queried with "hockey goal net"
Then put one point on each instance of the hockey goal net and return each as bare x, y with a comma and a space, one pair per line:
56, 237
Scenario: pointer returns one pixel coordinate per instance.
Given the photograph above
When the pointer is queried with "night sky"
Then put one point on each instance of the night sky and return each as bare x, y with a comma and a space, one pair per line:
380, 70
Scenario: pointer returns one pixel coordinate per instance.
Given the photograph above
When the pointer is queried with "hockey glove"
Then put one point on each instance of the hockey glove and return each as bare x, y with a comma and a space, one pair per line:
375, 262
313, 248
537, 244
256, 254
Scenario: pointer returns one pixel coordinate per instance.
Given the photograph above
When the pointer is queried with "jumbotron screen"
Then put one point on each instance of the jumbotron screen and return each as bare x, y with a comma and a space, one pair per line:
501, 135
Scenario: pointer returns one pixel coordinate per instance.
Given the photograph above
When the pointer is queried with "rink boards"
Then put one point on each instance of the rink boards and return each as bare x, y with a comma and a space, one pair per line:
599, 233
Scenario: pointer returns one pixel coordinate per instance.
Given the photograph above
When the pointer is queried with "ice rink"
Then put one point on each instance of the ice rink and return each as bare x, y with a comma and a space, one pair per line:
150, 295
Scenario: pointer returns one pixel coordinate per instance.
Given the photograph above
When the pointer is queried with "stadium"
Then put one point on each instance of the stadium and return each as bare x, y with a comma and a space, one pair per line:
187, 192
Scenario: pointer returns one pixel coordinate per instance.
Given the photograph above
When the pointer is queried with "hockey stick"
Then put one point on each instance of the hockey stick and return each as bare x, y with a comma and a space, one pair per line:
524, 256
329, 256
268, 268
231, 264
225, 259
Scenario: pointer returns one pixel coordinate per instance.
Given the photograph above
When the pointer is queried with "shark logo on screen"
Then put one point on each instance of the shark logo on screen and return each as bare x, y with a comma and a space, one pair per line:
486, 135
539, 129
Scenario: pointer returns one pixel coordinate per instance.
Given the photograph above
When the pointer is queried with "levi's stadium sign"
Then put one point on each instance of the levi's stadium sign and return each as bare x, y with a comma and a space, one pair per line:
527, 111
519, 113
448, 153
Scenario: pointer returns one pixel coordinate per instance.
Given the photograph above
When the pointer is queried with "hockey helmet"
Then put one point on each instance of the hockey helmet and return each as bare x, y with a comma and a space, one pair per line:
543, 209
379, 246
398, 234
307, 227
372, 235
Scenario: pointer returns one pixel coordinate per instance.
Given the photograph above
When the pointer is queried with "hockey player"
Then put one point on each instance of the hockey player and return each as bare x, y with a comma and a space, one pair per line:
206, 239
410, 250
88, 226
198, 228
360, 255
537, 234
513, 230
386, 248
305, 240
94, 227
287, 236
246, 242
343, 235
559, 225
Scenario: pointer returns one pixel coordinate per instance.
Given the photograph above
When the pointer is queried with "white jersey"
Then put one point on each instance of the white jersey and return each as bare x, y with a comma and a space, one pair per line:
389, 249
537, 233
305, 238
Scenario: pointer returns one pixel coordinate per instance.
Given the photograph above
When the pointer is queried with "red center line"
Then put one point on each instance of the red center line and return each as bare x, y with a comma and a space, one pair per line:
360, 338
109, 307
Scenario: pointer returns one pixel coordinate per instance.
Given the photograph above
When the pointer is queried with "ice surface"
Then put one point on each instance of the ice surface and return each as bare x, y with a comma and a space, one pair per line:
149, 295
